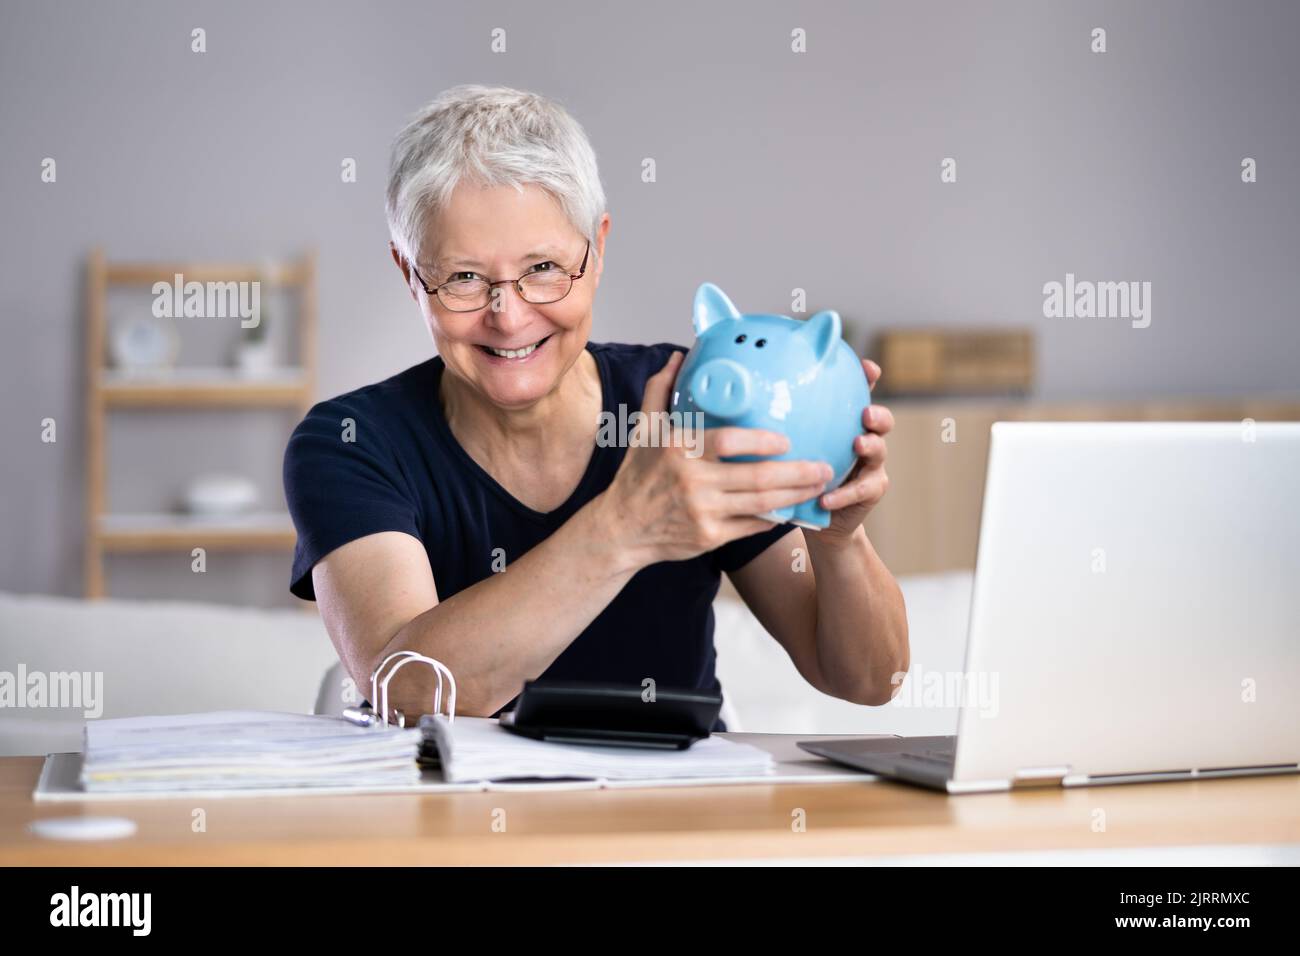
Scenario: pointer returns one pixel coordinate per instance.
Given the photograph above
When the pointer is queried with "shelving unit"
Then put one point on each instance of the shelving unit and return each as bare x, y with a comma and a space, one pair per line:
182, 389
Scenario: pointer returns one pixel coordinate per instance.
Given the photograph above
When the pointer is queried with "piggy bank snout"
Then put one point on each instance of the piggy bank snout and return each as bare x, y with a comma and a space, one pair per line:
721, 388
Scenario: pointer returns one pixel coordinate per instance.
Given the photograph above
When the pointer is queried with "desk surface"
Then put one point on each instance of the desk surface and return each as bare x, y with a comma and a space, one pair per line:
871, 819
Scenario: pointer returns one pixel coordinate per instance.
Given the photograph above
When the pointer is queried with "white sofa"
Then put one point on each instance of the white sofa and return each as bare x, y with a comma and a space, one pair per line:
156, 657
160, 657
765, 693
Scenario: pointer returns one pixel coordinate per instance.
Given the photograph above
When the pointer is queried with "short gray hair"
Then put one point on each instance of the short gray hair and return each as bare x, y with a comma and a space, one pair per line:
495, 136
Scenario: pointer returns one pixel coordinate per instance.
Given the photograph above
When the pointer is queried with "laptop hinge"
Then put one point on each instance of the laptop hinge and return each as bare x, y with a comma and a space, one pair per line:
1039, 777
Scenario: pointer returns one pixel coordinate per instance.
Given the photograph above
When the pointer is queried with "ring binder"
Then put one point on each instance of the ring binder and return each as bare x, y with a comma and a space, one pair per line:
379, 692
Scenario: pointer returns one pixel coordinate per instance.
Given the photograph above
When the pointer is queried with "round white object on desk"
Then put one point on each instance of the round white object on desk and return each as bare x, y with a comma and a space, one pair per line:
83, 828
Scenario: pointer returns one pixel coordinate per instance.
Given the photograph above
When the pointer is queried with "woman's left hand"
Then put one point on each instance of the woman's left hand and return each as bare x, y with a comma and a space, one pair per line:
867, 482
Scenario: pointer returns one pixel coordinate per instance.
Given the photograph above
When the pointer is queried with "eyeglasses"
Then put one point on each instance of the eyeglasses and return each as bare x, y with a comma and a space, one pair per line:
538, 288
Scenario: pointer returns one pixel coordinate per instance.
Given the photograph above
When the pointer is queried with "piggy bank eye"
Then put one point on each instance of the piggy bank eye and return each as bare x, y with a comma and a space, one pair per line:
740, 338
760, 343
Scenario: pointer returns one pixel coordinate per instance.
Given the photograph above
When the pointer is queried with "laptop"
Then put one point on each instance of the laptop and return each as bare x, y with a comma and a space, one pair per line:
1137, 598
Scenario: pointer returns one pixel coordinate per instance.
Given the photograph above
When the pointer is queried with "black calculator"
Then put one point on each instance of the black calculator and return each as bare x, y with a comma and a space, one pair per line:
614, 715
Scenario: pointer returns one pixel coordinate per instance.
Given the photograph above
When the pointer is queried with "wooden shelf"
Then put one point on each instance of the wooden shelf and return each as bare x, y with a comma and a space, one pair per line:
212, 387
255, 531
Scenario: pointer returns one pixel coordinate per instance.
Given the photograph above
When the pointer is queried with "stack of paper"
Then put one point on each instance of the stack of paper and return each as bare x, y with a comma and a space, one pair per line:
479, 748
237, 749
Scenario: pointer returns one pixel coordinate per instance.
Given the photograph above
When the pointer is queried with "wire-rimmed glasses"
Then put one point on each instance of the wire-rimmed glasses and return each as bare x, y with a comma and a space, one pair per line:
537, 288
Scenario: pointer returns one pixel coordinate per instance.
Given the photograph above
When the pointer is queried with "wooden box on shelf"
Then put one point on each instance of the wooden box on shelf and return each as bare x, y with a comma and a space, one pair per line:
924, 362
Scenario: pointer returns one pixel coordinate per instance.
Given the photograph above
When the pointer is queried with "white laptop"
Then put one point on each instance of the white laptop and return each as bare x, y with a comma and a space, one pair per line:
1137, 595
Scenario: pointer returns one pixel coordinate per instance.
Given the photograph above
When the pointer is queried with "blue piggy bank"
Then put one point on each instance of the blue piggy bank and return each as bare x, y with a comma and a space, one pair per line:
768, 371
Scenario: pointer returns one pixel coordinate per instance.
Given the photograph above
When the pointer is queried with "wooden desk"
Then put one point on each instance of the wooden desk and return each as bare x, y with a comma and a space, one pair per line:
870, 819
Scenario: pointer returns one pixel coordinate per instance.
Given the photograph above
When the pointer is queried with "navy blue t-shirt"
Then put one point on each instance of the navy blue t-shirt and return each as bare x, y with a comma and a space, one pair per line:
403, 470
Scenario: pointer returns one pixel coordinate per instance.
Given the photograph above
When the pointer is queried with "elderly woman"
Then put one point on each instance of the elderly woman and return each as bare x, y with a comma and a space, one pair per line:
464, 508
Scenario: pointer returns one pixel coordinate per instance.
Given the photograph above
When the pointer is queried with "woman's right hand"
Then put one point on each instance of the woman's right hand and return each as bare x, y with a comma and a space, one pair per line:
671, 502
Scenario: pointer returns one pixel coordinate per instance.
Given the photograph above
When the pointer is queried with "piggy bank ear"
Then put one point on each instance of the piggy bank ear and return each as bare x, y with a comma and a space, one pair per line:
711, 307
821, 331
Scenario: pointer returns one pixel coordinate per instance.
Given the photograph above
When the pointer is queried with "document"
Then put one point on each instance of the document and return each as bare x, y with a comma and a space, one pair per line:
239, 749
479, 748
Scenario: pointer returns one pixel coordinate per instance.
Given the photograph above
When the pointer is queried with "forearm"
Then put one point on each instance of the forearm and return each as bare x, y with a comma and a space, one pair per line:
512, 625
861, 621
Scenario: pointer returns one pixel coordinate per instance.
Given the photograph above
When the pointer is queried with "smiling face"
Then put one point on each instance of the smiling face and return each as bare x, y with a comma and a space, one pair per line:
498, 232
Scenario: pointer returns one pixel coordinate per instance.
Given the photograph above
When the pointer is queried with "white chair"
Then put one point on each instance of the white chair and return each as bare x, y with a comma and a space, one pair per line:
335, 692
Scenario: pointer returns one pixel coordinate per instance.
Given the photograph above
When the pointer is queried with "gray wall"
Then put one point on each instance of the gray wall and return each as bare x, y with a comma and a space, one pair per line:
775, 170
